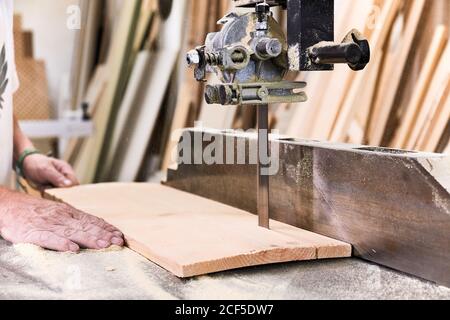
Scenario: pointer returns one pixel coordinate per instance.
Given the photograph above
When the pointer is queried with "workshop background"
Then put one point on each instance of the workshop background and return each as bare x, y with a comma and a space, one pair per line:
104, 83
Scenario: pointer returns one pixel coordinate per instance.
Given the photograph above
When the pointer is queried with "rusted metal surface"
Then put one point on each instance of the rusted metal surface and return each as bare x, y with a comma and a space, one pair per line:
392, 206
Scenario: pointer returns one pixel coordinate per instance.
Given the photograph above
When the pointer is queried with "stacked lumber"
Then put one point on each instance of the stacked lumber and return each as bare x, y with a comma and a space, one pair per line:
131, 87
130, 69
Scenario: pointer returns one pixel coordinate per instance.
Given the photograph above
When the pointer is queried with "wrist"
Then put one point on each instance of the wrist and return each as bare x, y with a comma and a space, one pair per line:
19, 165
21, 147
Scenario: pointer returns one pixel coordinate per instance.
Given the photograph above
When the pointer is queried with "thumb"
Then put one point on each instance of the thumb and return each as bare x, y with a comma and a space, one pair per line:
56, 178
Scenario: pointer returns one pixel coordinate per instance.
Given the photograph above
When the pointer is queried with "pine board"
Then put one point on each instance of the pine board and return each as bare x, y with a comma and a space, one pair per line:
136, 85
87, 163
433, 95
189, 235
377, 41
142, 122
385, 103
436, 48
31, 100
436, 123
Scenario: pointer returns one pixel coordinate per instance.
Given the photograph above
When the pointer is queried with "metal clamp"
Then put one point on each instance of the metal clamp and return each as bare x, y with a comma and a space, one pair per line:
255, 93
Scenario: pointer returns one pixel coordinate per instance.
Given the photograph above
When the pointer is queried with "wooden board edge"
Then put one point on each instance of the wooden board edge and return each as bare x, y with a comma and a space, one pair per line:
260, 258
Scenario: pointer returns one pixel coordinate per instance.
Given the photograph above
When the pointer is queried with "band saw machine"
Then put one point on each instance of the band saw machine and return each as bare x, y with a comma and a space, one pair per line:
251, 56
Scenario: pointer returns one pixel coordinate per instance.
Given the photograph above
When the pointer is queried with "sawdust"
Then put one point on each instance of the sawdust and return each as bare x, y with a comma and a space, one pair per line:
112, 273
220, 287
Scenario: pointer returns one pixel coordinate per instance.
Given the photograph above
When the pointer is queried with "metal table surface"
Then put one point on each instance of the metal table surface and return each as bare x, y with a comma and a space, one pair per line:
27, 272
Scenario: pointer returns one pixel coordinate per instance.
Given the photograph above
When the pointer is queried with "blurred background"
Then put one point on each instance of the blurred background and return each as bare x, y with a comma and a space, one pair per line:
104, 83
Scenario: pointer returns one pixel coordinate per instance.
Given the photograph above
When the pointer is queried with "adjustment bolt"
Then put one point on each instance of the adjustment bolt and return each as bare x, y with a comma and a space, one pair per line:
269, 48
263, 93
212, 94
225, 95
192, 57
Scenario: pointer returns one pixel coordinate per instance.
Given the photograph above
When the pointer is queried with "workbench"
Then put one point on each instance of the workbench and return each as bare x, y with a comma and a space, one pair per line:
27, 272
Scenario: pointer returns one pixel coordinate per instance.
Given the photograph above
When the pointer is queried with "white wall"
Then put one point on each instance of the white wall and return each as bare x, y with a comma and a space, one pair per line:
53, 41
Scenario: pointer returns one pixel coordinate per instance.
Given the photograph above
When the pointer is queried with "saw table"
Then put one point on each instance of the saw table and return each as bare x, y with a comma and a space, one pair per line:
27, 272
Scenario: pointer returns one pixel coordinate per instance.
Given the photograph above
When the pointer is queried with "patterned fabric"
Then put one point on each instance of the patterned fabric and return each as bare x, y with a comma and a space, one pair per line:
3, 75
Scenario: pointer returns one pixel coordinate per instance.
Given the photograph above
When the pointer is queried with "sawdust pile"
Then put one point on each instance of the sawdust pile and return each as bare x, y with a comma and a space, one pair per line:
113, 273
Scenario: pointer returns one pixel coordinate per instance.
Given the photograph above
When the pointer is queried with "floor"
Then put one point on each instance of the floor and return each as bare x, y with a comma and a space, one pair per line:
28, 272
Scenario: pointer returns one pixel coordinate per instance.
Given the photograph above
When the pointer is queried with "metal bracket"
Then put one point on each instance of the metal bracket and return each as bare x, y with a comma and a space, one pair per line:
255, 93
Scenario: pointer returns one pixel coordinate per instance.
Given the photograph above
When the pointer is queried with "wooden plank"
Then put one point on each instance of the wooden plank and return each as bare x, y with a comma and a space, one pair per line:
117, 64
423, 83
86, 48
377, 41
435, 127
437, 86
136, 86
130, 155
385, 104
148, 9
179, 121
93, 96
362, 116
189, 235
326, 98
31, 101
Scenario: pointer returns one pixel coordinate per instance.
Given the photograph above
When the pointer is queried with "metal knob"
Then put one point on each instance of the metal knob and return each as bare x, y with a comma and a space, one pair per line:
267, 48
354, 50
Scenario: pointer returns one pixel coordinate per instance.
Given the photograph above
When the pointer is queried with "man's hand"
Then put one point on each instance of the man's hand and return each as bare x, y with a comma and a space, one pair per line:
44, 171
51, 225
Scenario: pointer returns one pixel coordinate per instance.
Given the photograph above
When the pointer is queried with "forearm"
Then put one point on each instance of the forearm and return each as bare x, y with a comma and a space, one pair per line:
6, 197
21, 142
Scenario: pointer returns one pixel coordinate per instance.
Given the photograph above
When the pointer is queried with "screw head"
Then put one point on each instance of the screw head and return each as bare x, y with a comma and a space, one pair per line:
192, 57
263, 93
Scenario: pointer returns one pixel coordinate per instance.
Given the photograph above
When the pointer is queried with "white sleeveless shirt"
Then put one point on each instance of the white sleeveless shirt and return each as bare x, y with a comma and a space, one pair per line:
8, 85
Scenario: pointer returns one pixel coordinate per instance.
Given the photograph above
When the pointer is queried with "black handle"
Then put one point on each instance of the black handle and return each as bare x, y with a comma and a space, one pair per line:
354, 51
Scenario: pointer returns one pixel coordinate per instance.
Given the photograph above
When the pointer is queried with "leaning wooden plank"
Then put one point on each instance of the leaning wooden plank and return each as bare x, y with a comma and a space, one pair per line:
377, 41
117, 64
189, 235
435, 127
437, 87
148, 9
326, 98
93, 96
89, 34
179, 122
423, 83
135, 87
131, 154
385, 105
303, 121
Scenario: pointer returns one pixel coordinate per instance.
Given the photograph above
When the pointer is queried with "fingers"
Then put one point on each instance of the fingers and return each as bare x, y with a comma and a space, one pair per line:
88, 236
65, 169
89, 231
85, 218
52, 241
85, 230
56, 178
